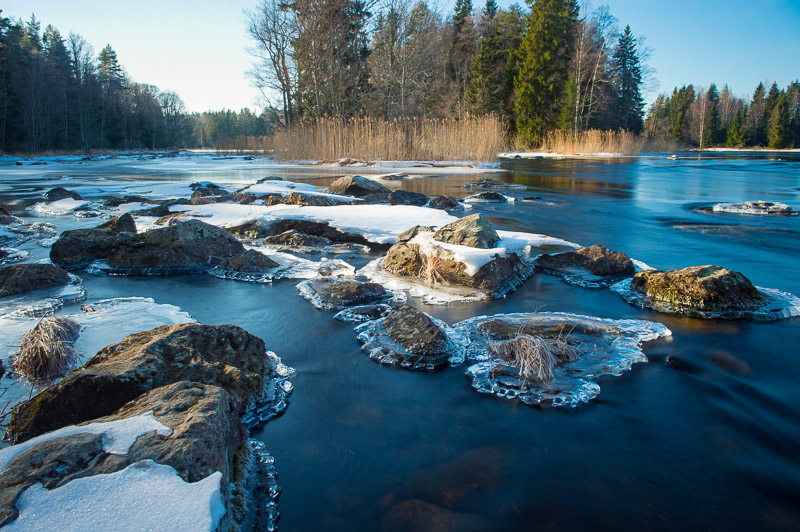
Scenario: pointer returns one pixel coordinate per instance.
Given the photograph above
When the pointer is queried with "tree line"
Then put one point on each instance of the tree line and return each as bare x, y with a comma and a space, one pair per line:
56, 94
709, 117
555, 65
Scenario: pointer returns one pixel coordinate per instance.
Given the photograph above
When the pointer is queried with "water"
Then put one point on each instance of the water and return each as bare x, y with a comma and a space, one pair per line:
707, 440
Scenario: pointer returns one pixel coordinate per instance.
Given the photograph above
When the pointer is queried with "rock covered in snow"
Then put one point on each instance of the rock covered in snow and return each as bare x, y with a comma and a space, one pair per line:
335, 294
205, 193
704, 288
20, 278
355, 185
223, 355
415, 331
473, 230
756, 207
409, 234
591, 266
487, 197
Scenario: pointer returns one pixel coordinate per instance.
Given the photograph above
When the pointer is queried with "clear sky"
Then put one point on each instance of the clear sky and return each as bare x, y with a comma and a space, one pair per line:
197, 48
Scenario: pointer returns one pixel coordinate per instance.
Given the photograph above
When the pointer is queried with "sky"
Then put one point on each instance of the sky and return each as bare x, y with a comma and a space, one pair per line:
198, 48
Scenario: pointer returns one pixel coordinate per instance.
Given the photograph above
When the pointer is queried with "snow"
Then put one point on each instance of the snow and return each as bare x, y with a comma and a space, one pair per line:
377, 223
286, 188
118, 435
143, 496
60, 207
516, 240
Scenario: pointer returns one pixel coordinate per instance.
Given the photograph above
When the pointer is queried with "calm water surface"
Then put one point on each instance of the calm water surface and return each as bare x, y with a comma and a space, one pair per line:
709, 442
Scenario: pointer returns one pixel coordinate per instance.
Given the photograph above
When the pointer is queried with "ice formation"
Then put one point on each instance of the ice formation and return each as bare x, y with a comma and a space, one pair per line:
756, 207
45, 301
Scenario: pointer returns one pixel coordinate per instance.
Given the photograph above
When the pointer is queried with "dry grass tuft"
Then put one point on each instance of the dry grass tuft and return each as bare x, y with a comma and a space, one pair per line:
46, 351
466, 138
430, 271
535, 356
596, 141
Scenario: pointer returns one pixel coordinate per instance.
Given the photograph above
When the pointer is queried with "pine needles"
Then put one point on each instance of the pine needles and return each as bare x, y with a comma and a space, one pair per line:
47, 351
536, 356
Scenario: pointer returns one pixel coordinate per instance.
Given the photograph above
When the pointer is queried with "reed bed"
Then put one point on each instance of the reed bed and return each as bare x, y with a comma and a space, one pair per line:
47, 351
535, 356
467, 138
597, 141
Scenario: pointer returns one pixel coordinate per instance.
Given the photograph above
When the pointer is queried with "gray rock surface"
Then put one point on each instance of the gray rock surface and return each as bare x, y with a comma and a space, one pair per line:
20, 278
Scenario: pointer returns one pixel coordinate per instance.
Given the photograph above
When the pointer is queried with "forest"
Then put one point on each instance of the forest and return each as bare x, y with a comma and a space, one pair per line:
525, 75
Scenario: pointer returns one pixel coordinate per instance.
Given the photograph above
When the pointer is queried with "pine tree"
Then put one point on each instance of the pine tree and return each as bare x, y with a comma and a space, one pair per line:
544, 57
710, 133
757, 116
793, 96
627, 76
735, 132
491, 9
779, 131
679, 103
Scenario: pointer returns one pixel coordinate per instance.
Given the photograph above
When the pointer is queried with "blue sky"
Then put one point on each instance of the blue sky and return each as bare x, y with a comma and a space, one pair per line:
196, 48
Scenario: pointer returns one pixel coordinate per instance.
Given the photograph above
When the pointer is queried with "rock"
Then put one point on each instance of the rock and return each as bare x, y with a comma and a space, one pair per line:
251, 261
116, 202
361, 313
487, 197
7, 218
80, 247
355, 185
20, 278
403, 197
486, 182
188, 246
269, 178
415, 330
206, 434
296, 239
59, 193
172, 218
243, 198
403, 260
249, 231
296, 198
122, 223
704, 288
445, 203
205, 193
409, 234
331, 293
596, 259
163, 208
316, 229
224, 355
473, 230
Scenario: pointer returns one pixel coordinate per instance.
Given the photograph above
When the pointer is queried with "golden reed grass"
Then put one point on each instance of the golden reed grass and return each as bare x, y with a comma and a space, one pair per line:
46, 351
597, 141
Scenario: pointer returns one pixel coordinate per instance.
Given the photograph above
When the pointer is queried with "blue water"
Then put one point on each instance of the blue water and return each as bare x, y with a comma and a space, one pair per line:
709, 441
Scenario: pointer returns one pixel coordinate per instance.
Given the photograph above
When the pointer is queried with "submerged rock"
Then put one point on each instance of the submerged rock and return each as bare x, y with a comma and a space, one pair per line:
415, 331
591, 266
445, 203
335, 294
224, 355
355, 185
59, 193
20, 278
703, 288
473, 230
403, 197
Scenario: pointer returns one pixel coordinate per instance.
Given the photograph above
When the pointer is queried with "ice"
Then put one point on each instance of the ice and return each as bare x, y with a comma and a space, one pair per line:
11, 255
261, 492
143, 496
118, 436
60, 207
275, 394
479, 198
515, 241
377, 223
45, 301
362, 313
380, 347
779, 305
606, 347
286, 188
759, 207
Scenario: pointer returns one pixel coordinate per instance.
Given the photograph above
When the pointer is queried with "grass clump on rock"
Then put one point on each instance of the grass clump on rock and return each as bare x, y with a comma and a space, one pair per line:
47, 351
535, 356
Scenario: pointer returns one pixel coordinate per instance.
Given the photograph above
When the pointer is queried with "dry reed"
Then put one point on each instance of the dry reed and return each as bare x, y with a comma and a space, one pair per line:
47, 351
430, 271
467, 138
596, 141
535, 356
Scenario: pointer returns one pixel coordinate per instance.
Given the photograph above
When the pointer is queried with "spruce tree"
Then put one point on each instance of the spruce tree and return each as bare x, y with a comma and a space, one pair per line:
779, 131
756, 119
627, 80
710, 133
544, 59
491, 9
679, 103
735, 132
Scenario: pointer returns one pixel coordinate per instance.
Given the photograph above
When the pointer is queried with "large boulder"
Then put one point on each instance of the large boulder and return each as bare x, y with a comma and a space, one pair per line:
251, 261
224, 355
296, 239
409, 234
403, 197
704, 288
473, 230
206, 434
596, 260
444, 203
331, 293
205, 193
121, 224
188, 246
59, 193
415, 331
355, 185
80, 247
20, 278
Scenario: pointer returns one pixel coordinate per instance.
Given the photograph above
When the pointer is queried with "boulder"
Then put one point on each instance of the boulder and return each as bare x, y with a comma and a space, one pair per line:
409, 234
486, 182
59, 193
251, 261
596, 260
122, 223
205, 193
473, 230
487, 197
331, 293
415, 331
315, 229
704, 288
7, 218
243, 198
296, 239
80, 247
445, 203
223, 355
403, 197
296, 198
206, 434
355, 185
188, 246
116, 202
403, 260
20, 278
